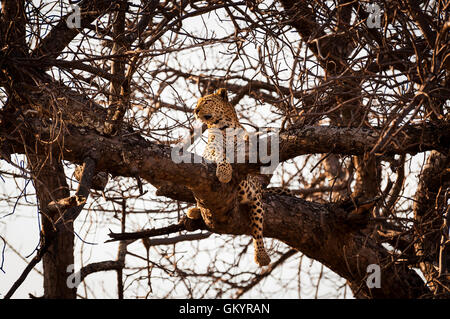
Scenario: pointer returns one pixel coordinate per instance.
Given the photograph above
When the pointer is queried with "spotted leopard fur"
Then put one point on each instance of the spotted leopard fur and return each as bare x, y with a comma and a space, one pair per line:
217, 112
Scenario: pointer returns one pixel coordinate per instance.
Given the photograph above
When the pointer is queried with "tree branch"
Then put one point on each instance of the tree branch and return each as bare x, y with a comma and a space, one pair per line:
61, 34
183, 224
100, 266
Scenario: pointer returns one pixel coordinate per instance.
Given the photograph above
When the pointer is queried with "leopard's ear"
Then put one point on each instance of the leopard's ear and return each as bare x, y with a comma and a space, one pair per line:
223, 94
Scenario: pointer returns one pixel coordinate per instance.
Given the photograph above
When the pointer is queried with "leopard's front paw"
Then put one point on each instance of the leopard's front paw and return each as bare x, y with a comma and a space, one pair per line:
224, 172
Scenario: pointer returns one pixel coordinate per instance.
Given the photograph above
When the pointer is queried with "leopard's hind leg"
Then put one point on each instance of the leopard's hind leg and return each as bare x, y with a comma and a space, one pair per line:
250, 193
256, 216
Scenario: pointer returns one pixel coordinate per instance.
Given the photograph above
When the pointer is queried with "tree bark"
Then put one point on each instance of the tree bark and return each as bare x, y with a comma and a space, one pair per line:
50, 183
430, 206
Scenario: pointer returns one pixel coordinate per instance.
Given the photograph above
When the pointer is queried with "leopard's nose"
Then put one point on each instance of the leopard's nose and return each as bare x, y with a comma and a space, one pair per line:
207, 116
196, 111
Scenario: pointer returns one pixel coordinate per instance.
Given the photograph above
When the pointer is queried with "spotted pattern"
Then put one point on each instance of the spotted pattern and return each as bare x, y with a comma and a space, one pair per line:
217, 112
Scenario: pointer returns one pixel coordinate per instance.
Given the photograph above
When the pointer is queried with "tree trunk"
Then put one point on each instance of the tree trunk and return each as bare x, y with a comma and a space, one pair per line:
50, 183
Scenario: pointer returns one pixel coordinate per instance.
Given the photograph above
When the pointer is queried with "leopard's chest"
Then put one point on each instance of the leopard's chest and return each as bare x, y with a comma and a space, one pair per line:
223, 143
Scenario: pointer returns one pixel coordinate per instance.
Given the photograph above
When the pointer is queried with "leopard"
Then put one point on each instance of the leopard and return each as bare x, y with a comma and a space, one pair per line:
216, 111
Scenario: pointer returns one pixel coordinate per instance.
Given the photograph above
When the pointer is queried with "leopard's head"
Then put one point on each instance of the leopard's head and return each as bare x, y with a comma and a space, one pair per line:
216, 111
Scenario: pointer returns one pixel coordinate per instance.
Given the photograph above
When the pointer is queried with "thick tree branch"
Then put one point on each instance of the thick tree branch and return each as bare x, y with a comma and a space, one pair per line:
357, 141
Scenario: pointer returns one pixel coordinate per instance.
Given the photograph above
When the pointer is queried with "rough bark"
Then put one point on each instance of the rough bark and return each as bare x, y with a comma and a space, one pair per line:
50, 183
320, 231
430, 206
324, 233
